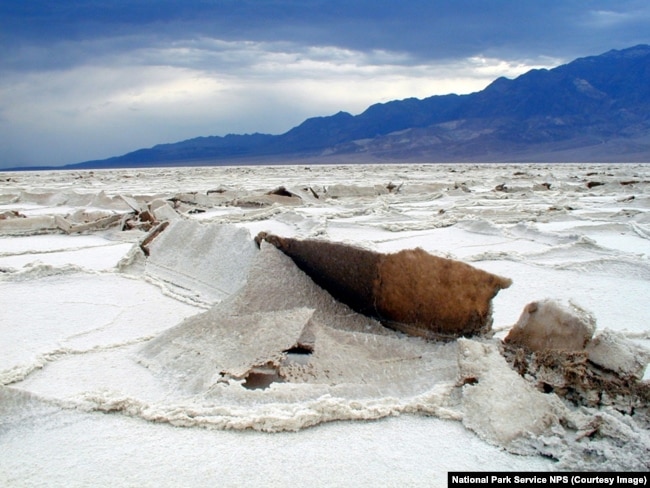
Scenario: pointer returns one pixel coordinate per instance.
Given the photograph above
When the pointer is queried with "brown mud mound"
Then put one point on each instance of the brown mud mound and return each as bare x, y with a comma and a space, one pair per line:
411, 291
548, 324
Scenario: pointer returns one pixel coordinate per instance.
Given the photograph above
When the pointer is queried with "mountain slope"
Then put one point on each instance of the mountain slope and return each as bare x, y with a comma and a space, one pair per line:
595, 108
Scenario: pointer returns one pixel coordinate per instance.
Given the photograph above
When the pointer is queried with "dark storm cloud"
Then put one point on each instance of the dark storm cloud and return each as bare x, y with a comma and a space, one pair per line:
426, 29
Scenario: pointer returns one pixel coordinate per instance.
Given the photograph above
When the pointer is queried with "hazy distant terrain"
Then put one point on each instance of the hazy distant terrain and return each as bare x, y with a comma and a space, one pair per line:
592, 109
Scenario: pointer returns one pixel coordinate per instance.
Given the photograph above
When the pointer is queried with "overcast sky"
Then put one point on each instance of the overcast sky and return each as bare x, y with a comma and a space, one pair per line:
90, 79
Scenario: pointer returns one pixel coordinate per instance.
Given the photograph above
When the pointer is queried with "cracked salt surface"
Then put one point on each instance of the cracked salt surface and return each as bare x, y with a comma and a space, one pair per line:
91, 326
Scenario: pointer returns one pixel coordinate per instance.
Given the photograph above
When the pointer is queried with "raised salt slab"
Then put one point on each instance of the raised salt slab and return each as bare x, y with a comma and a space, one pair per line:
203, 262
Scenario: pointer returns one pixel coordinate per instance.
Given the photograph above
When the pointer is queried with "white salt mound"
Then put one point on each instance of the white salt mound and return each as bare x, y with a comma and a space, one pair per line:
613, 351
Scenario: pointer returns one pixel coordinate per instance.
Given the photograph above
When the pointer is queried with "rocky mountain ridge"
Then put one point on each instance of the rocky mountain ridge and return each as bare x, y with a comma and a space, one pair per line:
595, 108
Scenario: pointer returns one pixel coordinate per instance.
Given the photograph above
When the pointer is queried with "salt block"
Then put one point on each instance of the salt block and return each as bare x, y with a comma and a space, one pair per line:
207, 348
613, 351
411, 291
132, 202
550, 324
162, 211
204, 262
28, 225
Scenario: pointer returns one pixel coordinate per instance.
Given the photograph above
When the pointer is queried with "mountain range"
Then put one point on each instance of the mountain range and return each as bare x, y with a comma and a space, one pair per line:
594, 108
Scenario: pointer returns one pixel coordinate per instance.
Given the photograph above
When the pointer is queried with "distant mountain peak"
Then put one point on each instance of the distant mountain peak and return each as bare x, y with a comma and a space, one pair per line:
595, 108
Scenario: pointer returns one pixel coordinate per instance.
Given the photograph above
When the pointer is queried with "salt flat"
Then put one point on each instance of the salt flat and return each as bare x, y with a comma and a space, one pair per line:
92, 394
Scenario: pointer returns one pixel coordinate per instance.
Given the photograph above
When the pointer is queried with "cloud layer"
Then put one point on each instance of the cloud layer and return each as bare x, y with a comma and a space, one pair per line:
89, 79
